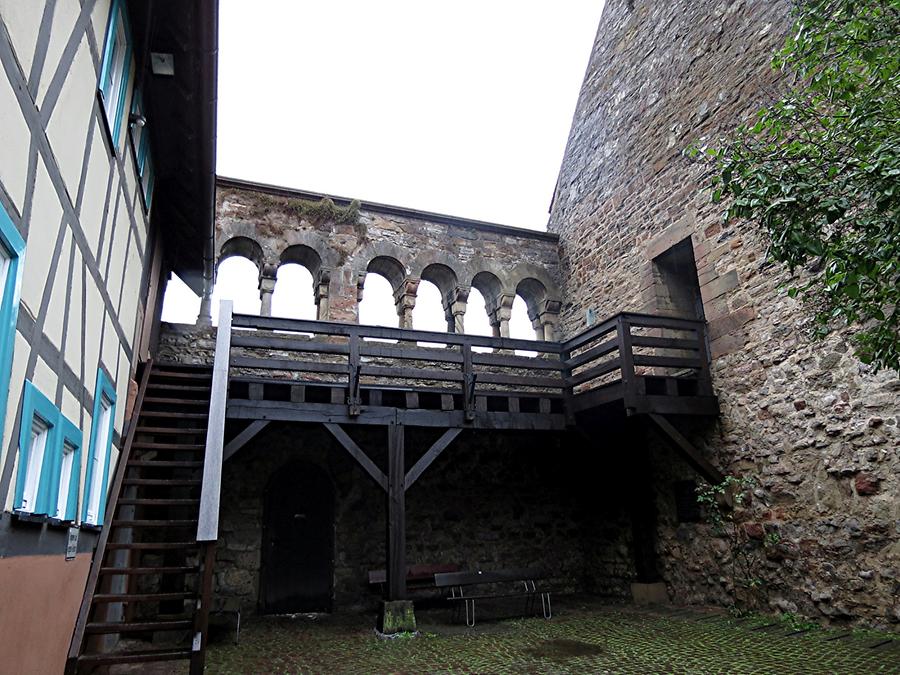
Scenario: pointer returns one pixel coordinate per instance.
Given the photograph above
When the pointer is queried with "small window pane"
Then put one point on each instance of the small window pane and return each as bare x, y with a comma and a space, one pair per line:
38, 443
101, 441
65, 479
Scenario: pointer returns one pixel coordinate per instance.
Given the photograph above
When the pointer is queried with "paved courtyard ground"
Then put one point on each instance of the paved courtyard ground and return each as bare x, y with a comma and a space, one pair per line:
583, 637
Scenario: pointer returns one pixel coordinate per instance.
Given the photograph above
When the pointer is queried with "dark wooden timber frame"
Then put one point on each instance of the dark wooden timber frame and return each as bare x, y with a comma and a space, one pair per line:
271, 369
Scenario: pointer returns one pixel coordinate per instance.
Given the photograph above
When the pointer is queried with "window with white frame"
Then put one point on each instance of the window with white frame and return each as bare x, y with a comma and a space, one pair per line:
140, 144
114, 71
37, 448
38, 464
99, 460
64, 493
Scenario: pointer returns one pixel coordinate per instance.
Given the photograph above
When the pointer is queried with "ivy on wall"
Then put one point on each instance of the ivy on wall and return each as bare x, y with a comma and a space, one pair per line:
819, 169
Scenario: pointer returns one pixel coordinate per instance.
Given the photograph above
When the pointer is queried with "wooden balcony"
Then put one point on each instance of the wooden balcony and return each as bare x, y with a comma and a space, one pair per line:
317, 371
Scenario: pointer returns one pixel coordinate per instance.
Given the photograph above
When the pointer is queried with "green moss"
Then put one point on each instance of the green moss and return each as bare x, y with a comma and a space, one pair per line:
324, 210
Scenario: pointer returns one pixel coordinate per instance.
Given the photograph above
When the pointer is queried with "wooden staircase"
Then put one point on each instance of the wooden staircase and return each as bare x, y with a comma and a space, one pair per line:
148, 591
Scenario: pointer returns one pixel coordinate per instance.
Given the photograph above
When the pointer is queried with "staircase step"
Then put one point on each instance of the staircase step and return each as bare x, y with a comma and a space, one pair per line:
151, 445
159, 502
170, 413
154, 523
153, 546
175, 401
142, 597
166, 463
141, 656
135, 627
116, 571
184, 431
181, 375
172, 482
178, 387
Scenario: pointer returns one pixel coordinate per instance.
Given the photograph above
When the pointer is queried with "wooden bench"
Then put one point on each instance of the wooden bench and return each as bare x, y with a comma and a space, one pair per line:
418, 577
502, 584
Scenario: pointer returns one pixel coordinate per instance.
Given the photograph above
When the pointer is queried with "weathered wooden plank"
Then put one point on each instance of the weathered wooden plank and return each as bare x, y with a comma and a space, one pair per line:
289, 365
371, 415
432, 454
244, 437
596, 397
595, 372
385, 333
511, 361
665, 343
596, 352
287, 344
438, 355
687, 450
357, 453
208, 521
666, 361
653, 321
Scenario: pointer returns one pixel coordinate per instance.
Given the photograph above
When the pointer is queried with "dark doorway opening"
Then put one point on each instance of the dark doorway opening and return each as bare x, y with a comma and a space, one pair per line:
677, 284
297, 541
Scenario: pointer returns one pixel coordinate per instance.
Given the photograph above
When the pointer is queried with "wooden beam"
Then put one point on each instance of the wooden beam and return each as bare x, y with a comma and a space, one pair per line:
247, 435
433, 452
208, 519
688, 451
357, 454
396, 515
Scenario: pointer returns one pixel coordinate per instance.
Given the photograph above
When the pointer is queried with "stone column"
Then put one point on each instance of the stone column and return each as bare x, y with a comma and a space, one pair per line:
455, 309
499, 314
204, 318
266, 288
549, 319
320, 288
405, 300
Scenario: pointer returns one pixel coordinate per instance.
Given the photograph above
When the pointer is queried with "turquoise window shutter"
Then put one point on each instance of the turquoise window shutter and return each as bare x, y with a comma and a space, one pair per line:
14, 247
34, 403
71, 434
106, 67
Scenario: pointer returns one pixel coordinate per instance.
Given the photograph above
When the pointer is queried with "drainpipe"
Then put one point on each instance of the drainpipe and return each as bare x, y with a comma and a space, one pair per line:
207, 28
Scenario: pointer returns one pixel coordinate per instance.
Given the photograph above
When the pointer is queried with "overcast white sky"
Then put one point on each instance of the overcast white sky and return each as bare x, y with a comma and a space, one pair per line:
456, 107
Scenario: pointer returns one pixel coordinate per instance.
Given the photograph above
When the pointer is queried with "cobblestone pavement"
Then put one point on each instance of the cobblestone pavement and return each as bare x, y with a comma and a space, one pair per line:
581, 638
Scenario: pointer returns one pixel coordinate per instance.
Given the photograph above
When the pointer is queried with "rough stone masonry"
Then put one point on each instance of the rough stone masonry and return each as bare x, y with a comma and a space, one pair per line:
814, 426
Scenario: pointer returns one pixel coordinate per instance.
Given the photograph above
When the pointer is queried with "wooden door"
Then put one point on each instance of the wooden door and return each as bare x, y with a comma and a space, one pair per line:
298, 541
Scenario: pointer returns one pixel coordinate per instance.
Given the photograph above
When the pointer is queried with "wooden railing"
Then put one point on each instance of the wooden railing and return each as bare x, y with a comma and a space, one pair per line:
630, 356
635, 356
375, 358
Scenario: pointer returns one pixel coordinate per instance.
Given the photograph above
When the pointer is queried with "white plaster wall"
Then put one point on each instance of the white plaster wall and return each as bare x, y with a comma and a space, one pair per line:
59, 299
65, 14
23, 21
68, 126
46, 214
14, 140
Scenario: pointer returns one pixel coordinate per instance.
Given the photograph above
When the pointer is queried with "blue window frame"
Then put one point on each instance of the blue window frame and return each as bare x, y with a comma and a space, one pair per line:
97, 475
67, 473
115, 69
38, 435
140, 145
49, 459
12, 249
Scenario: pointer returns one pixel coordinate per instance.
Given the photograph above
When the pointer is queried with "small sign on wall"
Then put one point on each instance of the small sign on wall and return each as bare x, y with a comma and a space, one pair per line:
590, 316
72, 543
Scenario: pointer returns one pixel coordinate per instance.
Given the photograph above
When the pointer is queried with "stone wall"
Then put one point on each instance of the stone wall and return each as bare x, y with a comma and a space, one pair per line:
339, 246
490, 501
813, 425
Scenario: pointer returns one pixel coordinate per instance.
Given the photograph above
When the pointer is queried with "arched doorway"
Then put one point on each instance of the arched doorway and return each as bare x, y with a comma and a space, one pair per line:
297, 541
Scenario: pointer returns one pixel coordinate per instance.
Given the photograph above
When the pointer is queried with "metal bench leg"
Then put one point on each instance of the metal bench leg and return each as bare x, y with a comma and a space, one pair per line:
545, 606
470, 622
